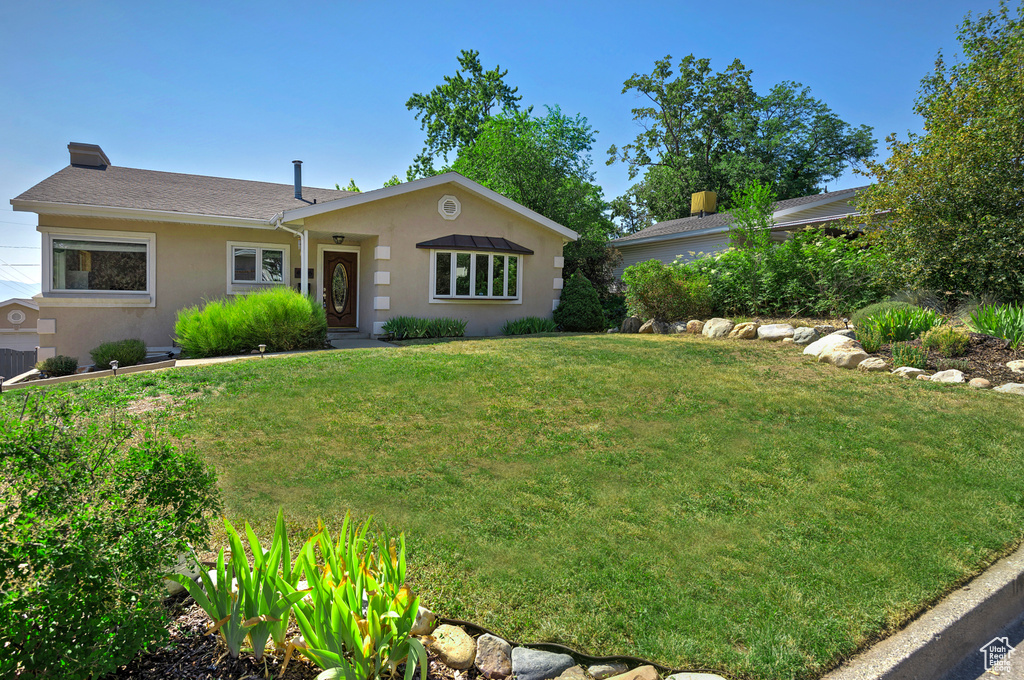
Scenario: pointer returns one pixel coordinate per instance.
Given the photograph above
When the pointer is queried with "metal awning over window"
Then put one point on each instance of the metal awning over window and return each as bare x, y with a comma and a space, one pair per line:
474, 243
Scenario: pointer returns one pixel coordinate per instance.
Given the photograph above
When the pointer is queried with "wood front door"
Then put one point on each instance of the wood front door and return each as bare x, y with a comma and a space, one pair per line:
340, 289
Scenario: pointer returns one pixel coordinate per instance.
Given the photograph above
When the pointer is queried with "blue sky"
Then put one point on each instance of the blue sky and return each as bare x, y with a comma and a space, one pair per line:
241, 89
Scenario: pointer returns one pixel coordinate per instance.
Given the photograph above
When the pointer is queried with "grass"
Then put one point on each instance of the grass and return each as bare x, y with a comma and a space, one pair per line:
700, 503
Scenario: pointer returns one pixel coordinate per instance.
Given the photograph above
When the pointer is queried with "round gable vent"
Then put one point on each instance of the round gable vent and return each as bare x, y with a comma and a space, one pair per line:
16, 316
449, 207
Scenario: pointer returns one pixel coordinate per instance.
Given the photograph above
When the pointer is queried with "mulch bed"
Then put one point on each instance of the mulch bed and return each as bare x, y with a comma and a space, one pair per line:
191, 654
986, 358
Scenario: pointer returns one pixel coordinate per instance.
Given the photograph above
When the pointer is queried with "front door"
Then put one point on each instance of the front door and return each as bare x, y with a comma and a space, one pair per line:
340, 289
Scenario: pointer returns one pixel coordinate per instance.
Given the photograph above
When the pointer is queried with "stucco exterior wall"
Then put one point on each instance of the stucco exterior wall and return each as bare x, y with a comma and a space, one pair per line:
21, 336
400, 222
192, 265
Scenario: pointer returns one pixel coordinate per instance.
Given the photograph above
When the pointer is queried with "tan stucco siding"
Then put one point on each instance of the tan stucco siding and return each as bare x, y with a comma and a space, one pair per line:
399, 223
191, 266
31, 316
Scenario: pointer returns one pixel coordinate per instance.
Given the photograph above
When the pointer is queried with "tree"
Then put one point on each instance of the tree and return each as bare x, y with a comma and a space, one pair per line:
453, 112
712, 131
351, 186
947, 203
579, 308
543, 163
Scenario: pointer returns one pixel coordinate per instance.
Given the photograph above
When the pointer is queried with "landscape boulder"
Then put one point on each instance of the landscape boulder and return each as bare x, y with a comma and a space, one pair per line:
825, 329
1011, 388
950, 376
574, 673
631, 324
848, 332
1016, 366
493, 657
694, 326
535, 664
774, 332
454, 647
849, 355
679, 327
908, 372
603, 671
661, 327
425, 622
639, 673
829, 341
805, 335
979, 384
717, 328
648, 327
744, 331
872, 365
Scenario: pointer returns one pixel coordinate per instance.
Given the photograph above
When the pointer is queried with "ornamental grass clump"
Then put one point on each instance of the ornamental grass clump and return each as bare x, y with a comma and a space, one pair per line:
1001, 321
412, 328
125, 352
279, 318
528, 325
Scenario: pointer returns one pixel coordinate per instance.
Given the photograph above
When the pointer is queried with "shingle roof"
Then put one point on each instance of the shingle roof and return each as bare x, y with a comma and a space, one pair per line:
723, 219
119, 187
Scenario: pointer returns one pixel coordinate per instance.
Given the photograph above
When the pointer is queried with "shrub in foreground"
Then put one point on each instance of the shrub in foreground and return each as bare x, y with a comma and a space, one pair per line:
865, 313
529, 324
279, 318
946, 340
412, 327
905, 354
899, 324
1001, 321
655, 290
126, 352
92, 517
579, 309
58, 366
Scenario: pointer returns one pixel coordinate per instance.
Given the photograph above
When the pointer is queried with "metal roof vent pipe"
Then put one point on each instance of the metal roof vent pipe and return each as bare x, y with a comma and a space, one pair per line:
298, 178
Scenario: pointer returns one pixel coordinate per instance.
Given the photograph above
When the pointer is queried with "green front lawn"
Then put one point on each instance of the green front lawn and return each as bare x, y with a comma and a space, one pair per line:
722, 504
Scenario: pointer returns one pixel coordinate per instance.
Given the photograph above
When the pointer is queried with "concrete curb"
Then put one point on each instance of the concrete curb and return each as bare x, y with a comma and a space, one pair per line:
946, 634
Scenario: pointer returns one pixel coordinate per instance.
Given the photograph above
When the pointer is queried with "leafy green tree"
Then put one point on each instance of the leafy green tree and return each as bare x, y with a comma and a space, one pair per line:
712, 131
394, 181
351, 186
947, 203
453, 112
543, 163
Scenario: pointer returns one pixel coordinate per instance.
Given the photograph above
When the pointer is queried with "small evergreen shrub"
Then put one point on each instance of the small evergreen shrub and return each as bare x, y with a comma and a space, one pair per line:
93, 517
904, 354
579, 308
655, 290
528, 325
946, 340
862, 315
1001, 321
614, 307
127, 353
411, 328
58, 366
279, 318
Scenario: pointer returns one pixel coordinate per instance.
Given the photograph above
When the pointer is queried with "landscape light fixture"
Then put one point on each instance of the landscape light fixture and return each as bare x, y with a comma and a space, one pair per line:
113, 365
263, 348
846, 322
338, 239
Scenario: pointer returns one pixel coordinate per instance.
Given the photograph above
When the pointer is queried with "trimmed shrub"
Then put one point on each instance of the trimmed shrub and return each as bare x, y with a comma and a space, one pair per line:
666, 292
279, 318
946, 340
127, 353
411, 328
58, 366
579, 309
528, 325
92, 518
865, 313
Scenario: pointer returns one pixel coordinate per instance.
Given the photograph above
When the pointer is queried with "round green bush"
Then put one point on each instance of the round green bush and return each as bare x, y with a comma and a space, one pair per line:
580, 307
946, 340
58, 366
865, 313
666, 292
126, 352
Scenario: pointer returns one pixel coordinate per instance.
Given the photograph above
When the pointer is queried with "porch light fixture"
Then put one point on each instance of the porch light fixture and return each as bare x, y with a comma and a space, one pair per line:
338, 239
113, 365
263, 348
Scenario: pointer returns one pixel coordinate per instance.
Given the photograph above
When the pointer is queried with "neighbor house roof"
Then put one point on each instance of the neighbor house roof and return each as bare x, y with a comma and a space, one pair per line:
681, 227
24, 302
151, 190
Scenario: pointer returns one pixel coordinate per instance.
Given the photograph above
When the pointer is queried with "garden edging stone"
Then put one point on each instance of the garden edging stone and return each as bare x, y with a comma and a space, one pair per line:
536, 664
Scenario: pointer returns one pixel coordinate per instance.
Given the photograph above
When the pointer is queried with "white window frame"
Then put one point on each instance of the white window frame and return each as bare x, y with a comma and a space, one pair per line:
237, 287
516, 299
98, 298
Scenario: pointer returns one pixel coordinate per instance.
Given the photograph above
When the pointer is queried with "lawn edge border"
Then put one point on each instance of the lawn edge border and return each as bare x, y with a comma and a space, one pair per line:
947, 633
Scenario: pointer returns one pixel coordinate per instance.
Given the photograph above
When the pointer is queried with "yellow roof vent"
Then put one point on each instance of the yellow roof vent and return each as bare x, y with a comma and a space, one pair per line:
703, 203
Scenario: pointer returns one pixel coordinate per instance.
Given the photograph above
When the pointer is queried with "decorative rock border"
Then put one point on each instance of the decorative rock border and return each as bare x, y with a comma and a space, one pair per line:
499, 659
825, 343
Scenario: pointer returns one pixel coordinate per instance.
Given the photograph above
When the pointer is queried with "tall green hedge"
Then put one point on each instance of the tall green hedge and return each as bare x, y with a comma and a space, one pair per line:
579, 309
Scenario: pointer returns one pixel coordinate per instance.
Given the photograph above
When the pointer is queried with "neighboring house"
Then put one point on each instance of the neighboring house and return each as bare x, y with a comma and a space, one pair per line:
125, 249
18, 319
687, 238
